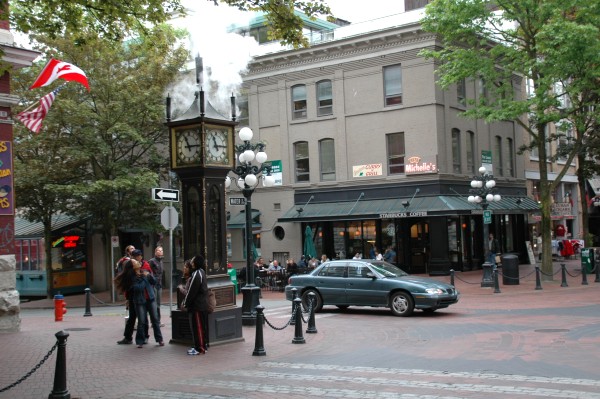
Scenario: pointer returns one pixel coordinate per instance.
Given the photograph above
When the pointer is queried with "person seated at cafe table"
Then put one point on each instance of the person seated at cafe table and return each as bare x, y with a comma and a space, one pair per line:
274, 268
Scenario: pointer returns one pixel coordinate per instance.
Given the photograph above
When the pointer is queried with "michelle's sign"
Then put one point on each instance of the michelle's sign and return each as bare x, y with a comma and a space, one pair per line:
418, 165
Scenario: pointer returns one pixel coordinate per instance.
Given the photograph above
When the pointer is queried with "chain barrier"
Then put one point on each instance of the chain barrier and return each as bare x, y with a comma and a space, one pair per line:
574, 275
310, 305
101, 302
465, 281
515, 278
550, 275
33, 370
286, 324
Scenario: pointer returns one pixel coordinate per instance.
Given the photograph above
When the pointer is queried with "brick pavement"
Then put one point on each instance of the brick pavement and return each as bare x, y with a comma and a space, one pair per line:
521, 342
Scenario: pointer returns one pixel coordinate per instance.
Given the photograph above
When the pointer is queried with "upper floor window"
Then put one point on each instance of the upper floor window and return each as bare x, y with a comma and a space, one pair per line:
461, 92
327, 159
510, 158
414, 4
298, 102
324, 98
471, 152
395, 153
456, 165
498, 156
301, 159
392, 80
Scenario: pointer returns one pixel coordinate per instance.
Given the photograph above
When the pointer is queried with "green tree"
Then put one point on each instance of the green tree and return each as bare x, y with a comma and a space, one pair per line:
543, 42
115, 19
100, 152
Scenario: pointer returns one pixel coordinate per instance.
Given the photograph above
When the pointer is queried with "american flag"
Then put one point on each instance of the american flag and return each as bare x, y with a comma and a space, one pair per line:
33, 119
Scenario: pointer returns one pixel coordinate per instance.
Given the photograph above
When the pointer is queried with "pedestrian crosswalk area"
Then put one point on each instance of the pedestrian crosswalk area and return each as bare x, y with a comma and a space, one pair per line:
305, 380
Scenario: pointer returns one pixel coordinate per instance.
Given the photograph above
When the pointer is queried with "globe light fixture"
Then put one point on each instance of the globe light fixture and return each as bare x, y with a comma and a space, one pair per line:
482, 194
251, 169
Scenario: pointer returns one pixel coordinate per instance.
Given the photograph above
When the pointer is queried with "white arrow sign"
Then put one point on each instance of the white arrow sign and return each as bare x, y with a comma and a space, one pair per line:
164, 194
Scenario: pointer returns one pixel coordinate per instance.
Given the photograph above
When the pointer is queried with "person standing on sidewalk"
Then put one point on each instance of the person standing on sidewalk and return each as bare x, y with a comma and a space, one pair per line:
124, 284
145, 303
493, 249
157, 269
196, 304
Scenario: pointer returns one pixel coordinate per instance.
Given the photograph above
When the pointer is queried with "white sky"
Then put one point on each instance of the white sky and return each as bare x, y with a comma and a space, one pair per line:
364, 10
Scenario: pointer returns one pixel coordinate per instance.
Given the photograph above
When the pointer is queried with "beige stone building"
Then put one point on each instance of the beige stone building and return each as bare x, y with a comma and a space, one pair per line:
371, 153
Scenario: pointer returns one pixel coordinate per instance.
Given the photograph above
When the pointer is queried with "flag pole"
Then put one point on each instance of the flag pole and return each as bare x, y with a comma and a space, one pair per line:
38, 100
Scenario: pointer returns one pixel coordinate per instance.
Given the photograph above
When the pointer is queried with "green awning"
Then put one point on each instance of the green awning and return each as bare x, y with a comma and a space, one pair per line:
26, 229
238, 221
395, 208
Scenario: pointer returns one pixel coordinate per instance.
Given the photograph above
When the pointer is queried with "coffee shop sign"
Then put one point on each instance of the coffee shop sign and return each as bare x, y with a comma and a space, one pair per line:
373, 169
419, 165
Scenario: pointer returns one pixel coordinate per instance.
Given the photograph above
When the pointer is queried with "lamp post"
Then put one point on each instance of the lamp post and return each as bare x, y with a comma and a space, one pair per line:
248, 177
482, 193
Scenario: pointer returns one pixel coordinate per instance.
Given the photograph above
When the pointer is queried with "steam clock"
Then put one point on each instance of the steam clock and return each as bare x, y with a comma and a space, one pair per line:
202, 153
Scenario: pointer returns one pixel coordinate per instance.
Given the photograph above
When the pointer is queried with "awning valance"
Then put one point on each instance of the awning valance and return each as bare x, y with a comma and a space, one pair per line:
395, 208
238, 221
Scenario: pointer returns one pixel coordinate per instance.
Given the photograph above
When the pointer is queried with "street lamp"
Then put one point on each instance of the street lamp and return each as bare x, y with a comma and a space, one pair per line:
248, 178
482, 194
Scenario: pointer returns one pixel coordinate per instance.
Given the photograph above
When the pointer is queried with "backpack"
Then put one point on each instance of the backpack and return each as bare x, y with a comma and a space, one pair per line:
120, 264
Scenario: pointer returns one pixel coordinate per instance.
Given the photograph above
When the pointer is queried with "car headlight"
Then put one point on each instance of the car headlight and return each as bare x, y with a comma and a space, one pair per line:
433, 291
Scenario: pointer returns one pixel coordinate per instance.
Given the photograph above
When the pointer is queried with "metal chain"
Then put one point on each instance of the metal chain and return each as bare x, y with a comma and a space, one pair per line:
573, 275
515, 278
310, 304
33, 370
551, 274
106, 304
464, 281
286, 324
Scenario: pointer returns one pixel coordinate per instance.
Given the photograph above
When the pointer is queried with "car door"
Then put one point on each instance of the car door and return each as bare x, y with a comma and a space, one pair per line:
331, 283
362, 289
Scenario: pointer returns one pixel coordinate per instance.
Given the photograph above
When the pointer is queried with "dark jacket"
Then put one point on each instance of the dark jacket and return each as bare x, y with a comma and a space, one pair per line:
157, 269
196, 298
142, 289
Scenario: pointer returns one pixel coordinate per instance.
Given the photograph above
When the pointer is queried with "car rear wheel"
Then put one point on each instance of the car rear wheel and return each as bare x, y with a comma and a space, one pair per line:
306, 300
402, 304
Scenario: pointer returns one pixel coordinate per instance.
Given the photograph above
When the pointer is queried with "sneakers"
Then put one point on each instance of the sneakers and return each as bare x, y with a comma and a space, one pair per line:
125, 341
193, 352
140, 346
161, 343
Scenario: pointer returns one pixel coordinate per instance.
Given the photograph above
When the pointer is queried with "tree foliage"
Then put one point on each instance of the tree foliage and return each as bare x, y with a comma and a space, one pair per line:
115, 19
99, 152
552, 46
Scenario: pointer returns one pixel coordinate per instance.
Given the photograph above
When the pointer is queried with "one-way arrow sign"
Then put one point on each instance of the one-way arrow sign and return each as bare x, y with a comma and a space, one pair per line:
165, 194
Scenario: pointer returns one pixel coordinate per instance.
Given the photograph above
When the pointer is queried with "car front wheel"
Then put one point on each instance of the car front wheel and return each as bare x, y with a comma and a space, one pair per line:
306, 300
402, 304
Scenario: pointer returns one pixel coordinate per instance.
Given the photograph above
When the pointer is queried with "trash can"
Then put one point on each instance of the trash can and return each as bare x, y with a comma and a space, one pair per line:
510, 269
233, 276
588, 260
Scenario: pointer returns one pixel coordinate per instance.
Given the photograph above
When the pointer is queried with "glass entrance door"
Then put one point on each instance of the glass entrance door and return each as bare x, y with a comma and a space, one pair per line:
419, 246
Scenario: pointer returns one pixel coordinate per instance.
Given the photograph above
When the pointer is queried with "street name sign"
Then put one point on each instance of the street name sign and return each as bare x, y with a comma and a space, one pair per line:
237, 201
165, 194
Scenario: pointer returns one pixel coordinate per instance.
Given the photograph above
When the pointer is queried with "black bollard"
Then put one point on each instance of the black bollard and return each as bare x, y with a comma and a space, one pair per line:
452, 277
312, 328
583, 275
496, 283
259, 346
298, 338
88, 311
294, 296
60, 390
597, 280
538, 281
563, 268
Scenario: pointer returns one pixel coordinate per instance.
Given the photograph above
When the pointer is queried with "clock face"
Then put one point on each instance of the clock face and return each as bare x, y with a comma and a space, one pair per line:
188, 146
217, 149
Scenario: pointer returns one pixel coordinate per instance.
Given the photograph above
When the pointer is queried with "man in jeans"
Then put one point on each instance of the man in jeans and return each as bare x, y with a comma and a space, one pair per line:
493, 249
157, 270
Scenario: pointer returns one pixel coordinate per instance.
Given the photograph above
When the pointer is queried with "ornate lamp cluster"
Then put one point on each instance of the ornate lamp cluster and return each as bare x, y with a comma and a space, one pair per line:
482, 189
248, 173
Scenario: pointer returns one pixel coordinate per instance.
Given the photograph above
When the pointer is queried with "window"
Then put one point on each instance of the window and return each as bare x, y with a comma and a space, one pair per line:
324, 98
395, 153
392, 78
414, 4
302, 165
471, 152
482, 90
510, 158
498, 156
456, 166
327, 159
461, 92
299, 102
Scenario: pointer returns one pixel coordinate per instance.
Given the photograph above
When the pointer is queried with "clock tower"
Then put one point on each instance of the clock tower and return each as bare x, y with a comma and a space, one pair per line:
202, 153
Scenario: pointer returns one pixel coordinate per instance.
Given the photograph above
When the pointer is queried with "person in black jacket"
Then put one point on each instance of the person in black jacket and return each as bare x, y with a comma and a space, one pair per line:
196, 304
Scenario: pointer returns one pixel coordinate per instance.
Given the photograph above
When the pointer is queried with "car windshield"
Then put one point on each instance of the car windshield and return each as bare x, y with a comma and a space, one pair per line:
387, 269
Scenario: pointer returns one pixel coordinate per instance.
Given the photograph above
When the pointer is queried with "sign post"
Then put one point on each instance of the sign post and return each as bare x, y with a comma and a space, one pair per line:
169, 218
114, 240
